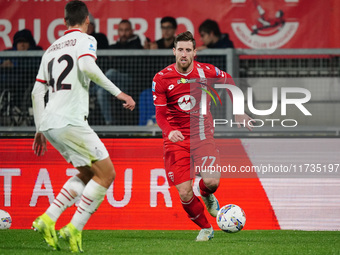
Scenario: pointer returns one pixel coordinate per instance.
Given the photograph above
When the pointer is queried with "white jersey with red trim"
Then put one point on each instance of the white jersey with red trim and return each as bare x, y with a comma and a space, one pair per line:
68, 102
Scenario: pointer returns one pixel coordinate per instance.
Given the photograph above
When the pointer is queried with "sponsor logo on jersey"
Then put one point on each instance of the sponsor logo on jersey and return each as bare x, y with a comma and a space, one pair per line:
183, 80
171, 87
154, 97
218, 71
92, 47
186, 102
153, 86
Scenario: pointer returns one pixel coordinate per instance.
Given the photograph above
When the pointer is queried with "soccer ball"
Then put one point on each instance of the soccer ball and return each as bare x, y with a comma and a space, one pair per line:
231, 218
5, 220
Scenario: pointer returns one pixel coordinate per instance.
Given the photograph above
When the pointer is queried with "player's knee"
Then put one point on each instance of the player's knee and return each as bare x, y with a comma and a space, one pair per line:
212, 184
185, 194
107, 177
111, 175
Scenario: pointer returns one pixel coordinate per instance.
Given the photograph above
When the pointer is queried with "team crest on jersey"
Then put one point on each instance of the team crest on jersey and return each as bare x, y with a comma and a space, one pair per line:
171, 87
186, 102
153, 86
171, 176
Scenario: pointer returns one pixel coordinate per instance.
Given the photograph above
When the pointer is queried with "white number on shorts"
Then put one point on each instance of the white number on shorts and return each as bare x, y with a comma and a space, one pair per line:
205, 158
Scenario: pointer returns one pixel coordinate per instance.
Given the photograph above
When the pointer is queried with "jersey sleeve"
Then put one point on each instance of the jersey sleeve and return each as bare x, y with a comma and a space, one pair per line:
87, 47
225, 78
42, 76
159, 94
160, 101
91, 69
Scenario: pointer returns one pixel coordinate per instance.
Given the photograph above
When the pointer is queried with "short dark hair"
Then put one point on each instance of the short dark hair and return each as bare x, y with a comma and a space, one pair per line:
171, 20
125, 21
76, 13
209, 26
186, 37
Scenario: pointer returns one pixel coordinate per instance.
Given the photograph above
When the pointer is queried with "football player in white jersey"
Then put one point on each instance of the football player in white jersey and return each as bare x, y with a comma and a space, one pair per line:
66, 69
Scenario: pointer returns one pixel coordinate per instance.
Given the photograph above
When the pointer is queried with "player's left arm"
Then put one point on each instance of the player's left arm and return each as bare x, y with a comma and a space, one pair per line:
240, 118
244, 118
88, 65
87, 56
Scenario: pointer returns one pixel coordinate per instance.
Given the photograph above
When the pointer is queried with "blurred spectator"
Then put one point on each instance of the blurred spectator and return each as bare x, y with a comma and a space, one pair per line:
102, 95
169, 27
22, 40
212, 37
17, 76
102, 41
127, 40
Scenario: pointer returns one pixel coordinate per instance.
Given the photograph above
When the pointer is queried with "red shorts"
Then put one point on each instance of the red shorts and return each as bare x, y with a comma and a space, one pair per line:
182, 161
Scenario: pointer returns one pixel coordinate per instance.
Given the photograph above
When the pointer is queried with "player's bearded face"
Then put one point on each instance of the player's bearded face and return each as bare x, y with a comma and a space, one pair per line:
185, 54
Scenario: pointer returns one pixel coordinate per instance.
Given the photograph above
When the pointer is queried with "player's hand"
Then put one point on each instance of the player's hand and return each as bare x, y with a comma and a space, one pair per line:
175, 136
39, 144
244, 118
129, 102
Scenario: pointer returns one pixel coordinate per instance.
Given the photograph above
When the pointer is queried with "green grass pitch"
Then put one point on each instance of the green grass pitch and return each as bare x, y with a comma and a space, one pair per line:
179, 242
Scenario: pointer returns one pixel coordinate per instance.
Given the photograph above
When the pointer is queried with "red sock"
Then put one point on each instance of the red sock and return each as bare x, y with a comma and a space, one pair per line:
195, 210
204, 190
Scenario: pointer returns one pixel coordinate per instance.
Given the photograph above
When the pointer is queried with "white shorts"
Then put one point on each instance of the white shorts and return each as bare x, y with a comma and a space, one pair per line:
79, 145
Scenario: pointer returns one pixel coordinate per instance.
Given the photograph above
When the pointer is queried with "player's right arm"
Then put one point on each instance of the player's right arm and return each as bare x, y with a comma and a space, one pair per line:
226, 78
38, 102
160, 102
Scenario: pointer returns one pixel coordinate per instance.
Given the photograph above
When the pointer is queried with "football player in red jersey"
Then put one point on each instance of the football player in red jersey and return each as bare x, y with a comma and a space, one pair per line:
188, 131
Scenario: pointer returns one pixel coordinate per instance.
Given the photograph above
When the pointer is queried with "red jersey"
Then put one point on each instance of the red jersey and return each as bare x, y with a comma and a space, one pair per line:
186, 98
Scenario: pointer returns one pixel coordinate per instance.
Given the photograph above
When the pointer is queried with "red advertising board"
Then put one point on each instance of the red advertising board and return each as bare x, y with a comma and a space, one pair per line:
140, 197
250, 23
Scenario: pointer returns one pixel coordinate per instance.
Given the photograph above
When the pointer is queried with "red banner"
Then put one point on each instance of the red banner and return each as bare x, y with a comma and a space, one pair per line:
140, 197
250, 23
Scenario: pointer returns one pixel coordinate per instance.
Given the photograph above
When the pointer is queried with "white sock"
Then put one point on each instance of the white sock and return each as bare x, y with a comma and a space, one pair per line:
68, 195
92, 197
